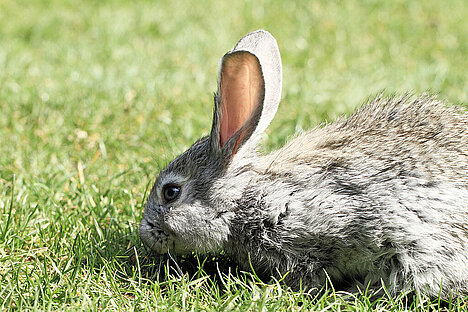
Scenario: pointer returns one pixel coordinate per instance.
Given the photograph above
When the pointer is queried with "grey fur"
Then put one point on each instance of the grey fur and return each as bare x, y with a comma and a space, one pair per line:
381, 195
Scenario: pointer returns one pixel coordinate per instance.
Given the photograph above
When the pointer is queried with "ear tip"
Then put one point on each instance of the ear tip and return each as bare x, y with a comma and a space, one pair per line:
261, 33
257, 40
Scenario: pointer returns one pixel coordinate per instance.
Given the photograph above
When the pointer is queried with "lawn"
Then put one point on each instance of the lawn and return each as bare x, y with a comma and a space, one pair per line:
97, 96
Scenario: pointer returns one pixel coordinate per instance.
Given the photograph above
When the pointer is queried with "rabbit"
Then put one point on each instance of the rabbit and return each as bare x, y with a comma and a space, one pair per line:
381, 196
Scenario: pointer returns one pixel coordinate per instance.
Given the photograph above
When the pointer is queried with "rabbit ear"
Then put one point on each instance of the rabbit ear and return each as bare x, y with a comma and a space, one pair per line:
240, 95
249, 90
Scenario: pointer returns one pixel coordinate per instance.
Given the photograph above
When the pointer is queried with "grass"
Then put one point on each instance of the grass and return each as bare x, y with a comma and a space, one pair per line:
97, 96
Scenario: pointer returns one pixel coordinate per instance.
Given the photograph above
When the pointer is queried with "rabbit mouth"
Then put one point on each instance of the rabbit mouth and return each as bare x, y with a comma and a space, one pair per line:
154, 237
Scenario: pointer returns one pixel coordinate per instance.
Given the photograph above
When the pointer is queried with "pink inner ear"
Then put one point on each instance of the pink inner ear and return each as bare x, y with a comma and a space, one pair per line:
240, 89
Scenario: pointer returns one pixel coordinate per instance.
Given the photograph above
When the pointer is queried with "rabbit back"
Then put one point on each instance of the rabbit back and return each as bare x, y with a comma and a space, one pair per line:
418, 136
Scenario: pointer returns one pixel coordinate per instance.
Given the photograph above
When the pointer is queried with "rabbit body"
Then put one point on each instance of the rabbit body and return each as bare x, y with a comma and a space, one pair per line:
379, 196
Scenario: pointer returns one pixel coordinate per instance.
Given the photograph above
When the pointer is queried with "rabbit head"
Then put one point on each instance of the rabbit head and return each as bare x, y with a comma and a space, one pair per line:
189, 208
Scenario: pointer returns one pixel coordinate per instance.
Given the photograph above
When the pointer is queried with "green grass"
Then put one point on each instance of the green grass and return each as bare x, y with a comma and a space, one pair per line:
97, 96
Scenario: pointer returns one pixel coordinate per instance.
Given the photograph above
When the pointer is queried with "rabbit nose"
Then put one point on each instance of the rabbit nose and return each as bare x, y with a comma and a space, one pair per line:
147, 224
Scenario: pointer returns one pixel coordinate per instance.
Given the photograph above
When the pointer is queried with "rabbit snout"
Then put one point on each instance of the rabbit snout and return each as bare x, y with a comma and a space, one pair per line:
154, 236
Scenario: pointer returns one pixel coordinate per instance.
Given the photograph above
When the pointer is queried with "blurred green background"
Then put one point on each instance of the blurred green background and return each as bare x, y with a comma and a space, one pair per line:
96, 96
138, 77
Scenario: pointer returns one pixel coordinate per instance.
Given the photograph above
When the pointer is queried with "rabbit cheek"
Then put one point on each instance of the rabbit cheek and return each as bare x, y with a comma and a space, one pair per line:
196, 228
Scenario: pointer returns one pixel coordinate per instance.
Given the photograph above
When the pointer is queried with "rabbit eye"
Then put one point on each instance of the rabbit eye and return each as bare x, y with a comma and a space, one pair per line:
171, 192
